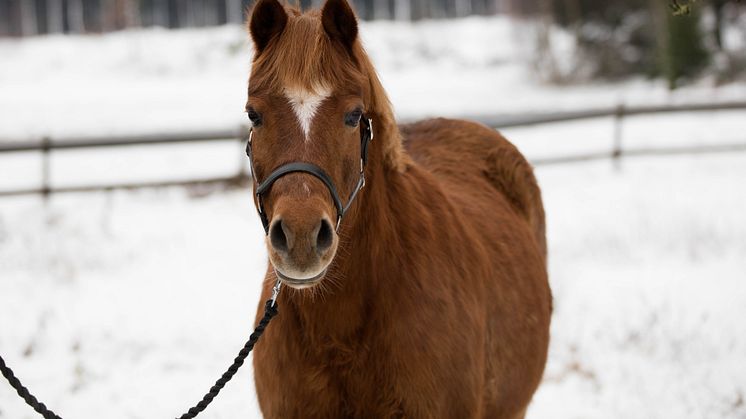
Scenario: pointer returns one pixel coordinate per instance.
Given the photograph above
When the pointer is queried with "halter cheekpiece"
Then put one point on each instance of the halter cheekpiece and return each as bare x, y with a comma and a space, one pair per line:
366, 136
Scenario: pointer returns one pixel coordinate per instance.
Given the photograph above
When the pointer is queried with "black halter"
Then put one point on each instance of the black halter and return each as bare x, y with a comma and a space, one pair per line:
366, 136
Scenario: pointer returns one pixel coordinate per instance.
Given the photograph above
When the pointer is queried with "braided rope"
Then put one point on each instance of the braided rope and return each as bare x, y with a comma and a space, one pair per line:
270, 311
25, 394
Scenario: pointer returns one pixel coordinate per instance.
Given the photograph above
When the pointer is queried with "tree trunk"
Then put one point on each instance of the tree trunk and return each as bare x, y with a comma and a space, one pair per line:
234, 11
107, 16
129, 12
717, 9
381, 9
496, 6
418, 9
28, 18
4, 19
75, 20
684, 53
211, 14
160, 13
14, 18
463, 7
187, 11
403, 10
55, 19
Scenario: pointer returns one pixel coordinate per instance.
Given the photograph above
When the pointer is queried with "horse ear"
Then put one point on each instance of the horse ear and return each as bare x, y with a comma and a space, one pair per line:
268, 19
340, 22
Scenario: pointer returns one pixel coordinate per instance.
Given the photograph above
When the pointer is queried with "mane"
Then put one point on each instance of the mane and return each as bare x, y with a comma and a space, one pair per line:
304, 57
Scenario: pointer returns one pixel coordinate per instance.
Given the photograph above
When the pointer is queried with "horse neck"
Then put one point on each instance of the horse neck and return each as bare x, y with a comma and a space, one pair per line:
355, 280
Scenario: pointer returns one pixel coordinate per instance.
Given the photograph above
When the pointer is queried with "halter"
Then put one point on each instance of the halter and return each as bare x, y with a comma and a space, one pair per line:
366, 136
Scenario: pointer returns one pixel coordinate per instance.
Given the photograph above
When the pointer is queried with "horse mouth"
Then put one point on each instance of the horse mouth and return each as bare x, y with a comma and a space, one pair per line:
300, 283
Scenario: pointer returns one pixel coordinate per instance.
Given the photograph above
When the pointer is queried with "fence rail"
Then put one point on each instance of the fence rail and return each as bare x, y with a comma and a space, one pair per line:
619, 111
47, 145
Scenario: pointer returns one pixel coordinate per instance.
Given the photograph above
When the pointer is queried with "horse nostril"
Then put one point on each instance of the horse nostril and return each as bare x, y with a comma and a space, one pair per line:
324, 237
277, 237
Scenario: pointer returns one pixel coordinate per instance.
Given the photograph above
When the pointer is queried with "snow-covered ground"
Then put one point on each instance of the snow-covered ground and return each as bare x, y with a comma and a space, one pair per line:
130, 304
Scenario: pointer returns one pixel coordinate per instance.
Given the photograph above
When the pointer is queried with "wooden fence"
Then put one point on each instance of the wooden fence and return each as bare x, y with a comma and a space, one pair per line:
616, 150
31, 17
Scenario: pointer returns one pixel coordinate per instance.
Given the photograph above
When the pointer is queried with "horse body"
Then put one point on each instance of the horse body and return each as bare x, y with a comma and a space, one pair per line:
442, 313
437, 303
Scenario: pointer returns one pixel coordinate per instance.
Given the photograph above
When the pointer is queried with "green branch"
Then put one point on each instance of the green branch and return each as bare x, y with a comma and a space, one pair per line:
681, 8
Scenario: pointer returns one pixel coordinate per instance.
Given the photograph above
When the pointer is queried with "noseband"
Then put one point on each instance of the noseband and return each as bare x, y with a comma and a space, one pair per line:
366, 136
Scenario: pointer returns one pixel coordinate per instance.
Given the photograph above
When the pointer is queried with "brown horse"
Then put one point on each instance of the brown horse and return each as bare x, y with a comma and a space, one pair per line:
428, 296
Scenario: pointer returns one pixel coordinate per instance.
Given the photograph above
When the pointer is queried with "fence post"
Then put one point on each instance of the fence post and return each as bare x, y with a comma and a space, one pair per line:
616, 152
45, 169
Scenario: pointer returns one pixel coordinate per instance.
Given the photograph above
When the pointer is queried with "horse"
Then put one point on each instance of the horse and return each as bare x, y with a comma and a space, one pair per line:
412, 258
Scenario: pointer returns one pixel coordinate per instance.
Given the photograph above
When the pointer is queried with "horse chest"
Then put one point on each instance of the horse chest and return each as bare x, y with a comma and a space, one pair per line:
353, 376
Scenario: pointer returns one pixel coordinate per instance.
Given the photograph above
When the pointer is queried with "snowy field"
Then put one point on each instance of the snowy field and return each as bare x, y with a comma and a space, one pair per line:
157, 80
130, 304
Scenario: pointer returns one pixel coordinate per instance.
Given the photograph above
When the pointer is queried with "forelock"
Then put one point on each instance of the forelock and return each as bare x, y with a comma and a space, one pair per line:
304, 58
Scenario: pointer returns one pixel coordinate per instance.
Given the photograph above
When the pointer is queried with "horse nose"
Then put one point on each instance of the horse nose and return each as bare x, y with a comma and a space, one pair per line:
324, 236
279, 236
298, 238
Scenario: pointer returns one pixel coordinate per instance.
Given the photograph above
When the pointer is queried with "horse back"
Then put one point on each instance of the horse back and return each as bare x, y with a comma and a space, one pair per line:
465, 155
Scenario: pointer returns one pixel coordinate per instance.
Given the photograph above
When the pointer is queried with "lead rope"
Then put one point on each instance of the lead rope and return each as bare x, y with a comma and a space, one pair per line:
270, 311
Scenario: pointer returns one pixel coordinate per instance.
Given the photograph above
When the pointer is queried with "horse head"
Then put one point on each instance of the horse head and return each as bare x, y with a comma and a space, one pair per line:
309, 100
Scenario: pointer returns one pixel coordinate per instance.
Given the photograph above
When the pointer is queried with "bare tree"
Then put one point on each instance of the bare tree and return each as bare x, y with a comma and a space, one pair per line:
130, 13
717, 10
75, 19
234, 11
463, 7
188, 11
381, 9
55, 23
403, 9
28, 18
160, 12
209, 13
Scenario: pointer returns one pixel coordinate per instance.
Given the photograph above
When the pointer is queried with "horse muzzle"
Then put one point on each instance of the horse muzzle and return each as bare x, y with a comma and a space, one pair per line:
301, 247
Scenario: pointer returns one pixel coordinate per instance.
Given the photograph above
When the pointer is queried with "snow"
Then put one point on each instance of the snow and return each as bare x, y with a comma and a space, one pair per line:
154, 80
128, 305
131, 304
648, 273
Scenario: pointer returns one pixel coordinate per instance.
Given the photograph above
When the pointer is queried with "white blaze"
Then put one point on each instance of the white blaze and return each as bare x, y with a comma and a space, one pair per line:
305, 104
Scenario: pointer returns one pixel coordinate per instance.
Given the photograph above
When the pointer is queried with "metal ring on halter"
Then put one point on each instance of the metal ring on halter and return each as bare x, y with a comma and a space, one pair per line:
276, 289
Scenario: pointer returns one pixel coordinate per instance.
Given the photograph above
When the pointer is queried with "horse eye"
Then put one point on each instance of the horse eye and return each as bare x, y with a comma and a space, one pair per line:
256, 119
353, 118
